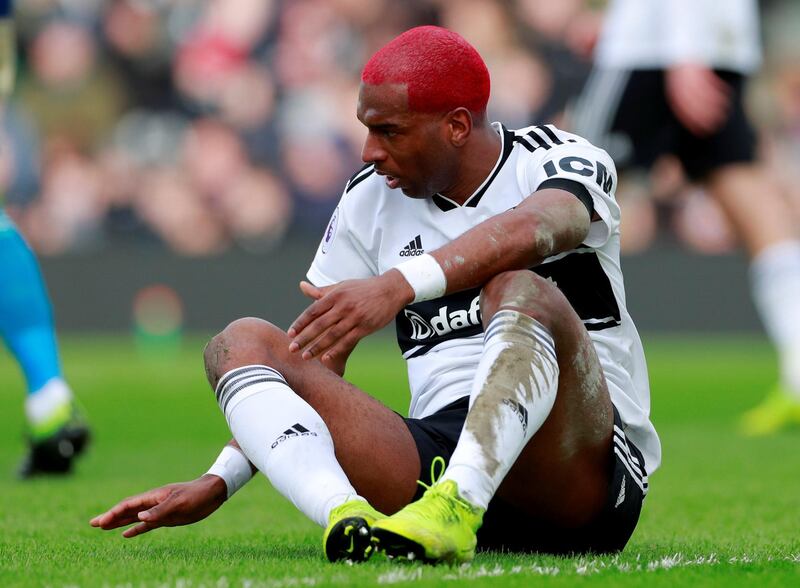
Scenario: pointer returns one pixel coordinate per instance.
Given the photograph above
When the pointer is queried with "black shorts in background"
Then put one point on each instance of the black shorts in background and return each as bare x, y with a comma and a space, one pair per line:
627, 114
507, 528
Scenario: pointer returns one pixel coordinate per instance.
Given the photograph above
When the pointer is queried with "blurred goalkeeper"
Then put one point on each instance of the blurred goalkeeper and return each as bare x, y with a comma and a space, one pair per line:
496, 252
669, 78
56, 432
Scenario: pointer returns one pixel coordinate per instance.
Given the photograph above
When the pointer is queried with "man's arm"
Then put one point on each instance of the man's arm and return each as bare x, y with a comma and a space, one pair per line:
546, 223
185, 503
172, 505
177, 504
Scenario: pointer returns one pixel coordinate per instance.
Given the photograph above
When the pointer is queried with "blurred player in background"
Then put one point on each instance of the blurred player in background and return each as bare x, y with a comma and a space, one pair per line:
56, 432
669, 78
529, 422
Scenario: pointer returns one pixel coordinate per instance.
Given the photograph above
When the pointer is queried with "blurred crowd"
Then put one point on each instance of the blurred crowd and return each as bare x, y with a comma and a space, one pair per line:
210, 124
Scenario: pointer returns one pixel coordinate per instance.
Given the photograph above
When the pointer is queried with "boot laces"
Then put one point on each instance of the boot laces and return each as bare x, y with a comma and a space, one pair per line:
449, 504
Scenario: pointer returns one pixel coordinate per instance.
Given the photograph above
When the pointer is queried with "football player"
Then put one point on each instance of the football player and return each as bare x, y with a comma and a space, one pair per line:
496, 251
56, 431
669, 77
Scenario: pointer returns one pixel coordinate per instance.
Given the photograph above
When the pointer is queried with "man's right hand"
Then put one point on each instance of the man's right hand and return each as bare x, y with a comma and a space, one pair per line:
172, 505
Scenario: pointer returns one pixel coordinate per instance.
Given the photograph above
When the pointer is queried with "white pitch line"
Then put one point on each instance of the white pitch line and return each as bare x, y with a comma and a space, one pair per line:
581, 567
584, 566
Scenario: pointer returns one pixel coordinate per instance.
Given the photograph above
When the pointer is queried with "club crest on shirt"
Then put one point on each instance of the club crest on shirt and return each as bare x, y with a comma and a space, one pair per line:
330, 232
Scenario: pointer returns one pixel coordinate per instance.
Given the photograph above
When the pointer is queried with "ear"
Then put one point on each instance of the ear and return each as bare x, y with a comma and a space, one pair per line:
459, 123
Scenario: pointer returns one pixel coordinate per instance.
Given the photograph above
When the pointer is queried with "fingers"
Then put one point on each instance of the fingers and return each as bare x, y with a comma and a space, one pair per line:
115, 522
344, 345
106, 523
161, 511
168, 506
125, 512
311, 290
309, 315
346, 312
699, 98
327, 341
304, 331
139, 530
708, 112
698, 118
130, 511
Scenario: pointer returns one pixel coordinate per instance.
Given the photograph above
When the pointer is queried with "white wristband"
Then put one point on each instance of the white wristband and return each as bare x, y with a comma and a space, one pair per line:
425, 276
233, 467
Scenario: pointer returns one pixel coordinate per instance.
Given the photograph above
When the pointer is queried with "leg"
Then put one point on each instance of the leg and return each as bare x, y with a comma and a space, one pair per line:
753, 203
26, 322
372, 443
765, 223
539, 412
562, 474
57, 434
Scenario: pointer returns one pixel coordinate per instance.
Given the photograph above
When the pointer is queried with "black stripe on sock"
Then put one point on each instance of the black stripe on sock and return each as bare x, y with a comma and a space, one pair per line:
228, 395
236, 372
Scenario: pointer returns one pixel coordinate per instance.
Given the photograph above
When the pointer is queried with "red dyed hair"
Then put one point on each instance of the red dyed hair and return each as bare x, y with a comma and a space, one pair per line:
440, 69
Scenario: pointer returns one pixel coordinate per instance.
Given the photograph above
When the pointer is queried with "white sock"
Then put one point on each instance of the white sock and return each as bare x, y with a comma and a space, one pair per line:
285, 438
513, 392
42, 404
775, 279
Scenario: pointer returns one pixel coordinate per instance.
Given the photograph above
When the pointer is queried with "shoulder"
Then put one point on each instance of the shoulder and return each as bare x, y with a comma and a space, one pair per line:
543, 138
367, 170
363, 201
550, 148
363, 191
365, 188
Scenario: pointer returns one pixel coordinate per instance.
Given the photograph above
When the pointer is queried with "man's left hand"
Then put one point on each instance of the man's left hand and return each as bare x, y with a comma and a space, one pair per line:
345, 313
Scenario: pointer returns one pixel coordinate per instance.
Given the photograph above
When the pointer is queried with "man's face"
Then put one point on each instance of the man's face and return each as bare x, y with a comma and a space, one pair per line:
409, 148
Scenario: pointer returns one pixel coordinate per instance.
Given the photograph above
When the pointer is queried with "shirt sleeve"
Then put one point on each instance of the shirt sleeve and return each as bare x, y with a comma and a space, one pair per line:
340, 255
591, 167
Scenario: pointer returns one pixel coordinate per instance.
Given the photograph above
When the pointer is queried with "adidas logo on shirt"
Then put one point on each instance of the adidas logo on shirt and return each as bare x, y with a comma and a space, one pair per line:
414, 248
296, 430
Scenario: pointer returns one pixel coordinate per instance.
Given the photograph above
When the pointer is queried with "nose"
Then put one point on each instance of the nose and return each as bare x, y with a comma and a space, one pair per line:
372, 152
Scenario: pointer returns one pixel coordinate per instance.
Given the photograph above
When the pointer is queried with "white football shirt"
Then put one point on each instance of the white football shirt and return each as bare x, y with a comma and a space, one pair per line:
374, 228
654, 34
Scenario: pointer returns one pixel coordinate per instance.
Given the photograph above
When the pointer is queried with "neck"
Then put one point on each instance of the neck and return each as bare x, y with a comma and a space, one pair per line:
478, 160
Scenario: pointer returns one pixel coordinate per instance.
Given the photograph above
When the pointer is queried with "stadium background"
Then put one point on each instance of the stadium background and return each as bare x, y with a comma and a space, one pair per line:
202, 145
175, 161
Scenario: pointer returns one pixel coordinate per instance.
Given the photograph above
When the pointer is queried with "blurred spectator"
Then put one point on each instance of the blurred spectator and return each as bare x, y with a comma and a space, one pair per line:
67, 90
173, 208
561, 34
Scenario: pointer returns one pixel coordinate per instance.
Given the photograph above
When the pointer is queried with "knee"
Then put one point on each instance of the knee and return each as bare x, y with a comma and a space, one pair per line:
526, 292
245, 341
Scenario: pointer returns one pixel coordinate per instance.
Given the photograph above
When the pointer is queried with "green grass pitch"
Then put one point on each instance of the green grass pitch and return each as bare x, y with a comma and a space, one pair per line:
723, 510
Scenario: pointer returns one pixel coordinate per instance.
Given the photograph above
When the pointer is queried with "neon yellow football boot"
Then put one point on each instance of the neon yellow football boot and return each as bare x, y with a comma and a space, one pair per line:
348, 533
55, 444
439, 527
779, 410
